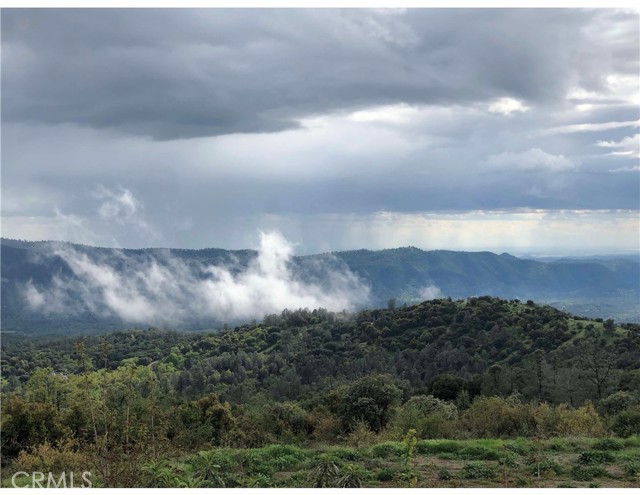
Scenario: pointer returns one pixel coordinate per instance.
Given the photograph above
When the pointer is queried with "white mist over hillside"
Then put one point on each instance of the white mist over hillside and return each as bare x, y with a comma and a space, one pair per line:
167, 290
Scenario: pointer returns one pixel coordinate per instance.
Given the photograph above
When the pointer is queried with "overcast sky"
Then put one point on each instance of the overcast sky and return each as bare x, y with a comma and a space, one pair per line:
506, 130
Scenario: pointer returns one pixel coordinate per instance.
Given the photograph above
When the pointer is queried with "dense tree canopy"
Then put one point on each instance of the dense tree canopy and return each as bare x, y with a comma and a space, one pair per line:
483, 367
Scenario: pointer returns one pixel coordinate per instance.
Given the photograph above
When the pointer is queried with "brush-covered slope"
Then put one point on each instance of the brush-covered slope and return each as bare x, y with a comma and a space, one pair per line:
492, 345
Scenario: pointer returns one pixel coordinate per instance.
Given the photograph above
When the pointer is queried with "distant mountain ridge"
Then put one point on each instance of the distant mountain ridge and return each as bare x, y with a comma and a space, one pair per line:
590, 287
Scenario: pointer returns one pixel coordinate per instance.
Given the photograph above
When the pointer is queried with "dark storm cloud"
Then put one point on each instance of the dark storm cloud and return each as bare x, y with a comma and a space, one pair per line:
182, 73
341, 128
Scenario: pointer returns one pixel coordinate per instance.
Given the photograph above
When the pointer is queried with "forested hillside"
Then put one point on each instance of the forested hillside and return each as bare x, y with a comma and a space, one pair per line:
535, 350
70, 301
129, 402
482, 367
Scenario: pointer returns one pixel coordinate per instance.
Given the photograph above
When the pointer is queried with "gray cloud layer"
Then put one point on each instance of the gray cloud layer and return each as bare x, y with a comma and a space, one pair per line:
194, 128
184, 73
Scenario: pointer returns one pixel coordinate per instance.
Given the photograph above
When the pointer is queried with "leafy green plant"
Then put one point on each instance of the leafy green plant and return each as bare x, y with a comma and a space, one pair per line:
507, 463
477, 470
478, 453
608, 444
348, 454
632, 469
296, 480
386, 474
157, 474
559, 445
187, 481
259, 481
387, 449
352, 477
544, 466
626, 423
409, 473
587, 473
205, 464
361, 435
325, 473
521, 448
444, 474
596, 457
225, 459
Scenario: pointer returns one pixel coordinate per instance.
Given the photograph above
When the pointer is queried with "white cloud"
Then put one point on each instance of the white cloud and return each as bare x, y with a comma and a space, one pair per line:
635, 168
168, 291
120, 206
588, 127
616, 90
430, 292
35, 299
507, 106
628, 146
531, 160
395, 114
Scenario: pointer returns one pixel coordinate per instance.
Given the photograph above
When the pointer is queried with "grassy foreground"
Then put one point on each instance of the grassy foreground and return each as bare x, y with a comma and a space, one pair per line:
561, 462
558, 462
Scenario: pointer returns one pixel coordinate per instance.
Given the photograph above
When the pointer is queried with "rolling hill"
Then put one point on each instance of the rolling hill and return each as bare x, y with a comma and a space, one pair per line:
607, 287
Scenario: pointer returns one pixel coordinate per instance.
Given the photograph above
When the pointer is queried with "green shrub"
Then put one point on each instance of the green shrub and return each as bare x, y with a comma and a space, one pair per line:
626, 423
386, 474
596, 457
545, 466
278, 450
608, 444
478, 453
296, 480
205, 466
259, 481
387, 449
369, 399
508, 461
559, 445
583, 421
353, 476
254, 462
477, 470
361, 435
444, 474
270, 459
224, 458
519, 447
429, 416
498, 417
618, 402
587, 473
348, 454
632, 469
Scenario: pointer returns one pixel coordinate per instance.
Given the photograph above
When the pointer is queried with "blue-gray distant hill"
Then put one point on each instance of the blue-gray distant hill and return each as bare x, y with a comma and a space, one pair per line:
600, 287
607, 287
